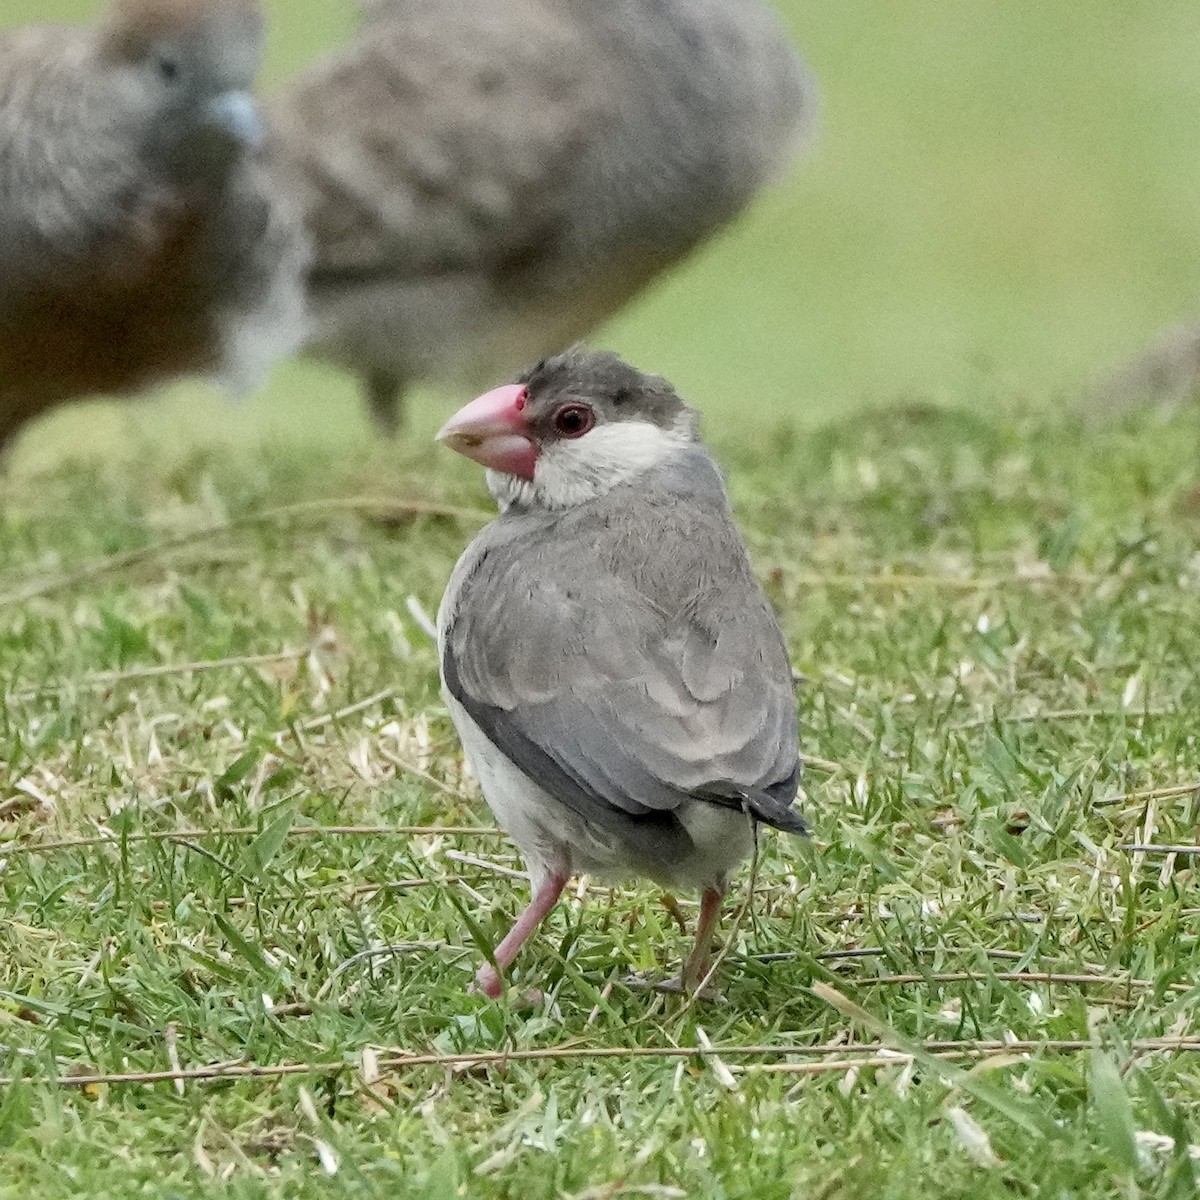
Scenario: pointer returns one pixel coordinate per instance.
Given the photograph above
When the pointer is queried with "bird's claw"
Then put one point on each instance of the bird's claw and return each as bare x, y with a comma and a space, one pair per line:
489, 983
674, 986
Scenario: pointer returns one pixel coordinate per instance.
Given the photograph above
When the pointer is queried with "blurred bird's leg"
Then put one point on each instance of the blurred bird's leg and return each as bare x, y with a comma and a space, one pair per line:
696, 967
488, 978
384, 392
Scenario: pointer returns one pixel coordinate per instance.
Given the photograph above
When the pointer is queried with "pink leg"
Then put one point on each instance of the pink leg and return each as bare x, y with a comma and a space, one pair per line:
696, 967
488, 978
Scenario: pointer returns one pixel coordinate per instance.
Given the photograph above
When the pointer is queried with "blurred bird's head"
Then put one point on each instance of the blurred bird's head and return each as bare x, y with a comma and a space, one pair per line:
188, 67
570, 429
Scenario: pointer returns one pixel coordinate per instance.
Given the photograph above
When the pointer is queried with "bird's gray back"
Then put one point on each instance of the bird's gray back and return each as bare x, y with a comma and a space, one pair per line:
623, 655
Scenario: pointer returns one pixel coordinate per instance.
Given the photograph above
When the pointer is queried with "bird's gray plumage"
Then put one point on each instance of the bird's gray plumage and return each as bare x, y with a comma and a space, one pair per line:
484, 183
622, 655
616, 675
140, 237
1161, 377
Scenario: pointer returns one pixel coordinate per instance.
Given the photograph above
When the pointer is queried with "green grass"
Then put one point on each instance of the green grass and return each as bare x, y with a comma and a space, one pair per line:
996, 618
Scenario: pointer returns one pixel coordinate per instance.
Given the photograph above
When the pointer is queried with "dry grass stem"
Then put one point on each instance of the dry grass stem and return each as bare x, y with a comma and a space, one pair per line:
490, 1058
179, 835
1061, 714
1065, 977
1163, 793
108, 678
1159, 848
87, 572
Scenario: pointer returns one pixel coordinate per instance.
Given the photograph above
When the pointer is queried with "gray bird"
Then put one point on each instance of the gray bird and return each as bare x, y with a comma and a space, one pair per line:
140, 238
1161, 377
617, 678
485, 183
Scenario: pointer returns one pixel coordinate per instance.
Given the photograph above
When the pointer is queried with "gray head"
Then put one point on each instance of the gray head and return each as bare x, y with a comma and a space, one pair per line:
570, 429
187, 66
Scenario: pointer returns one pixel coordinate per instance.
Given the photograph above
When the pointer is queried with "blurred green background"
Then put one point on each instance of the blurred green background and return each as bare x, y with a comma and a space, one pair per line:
1001, 200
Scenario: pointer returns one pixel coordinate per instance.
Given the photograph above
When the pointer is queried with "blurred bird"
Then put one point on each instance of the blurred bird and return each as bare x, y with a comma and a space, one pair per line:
139, 239
1162, 376
617, 677
485, 183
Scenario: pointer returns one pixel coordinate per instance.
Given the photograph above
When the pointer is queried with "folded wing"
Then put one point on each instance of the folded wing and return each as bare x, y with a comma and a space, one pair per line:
636, 688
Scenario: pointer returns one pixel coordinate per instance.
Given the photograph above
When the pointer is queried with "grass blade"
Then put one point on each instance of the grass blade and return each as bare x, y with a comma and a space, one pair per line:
1019, 1113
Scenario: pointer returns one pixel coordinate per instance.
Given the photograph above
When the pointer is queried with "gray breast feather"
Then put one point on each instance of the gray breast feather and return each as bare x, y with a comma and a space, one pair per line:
623, 655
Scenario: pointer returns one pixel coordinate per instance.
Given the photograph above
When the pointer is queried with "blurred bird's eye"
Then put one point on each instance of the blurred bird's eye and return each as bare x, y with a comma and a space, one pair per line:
168, 68
574, 420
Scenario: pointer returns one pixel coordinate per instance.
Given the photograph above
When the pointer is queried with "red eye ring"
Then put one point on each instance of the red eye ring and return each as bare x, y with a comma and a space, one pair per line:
573, 420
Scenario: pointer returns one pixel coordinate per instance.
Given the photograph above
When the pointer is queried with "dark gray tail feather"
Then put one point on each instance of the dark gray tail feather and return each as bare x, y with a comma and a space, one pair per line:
770, 811
761, 805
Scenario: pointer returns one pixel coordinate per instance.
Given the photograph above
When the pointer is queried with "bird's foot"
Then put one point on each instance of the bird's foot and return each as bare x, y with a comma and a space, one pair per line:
489, 983
674, 986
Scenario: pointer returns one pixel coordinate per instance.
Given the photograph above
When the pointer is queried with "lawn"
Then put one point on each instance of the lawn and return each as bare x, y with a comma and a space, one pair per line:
222, 727
237, 840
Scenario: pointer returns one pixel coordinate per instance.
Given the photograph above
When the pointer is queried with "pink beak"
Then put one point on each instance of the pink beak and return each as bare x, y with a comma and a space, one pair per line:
492, 431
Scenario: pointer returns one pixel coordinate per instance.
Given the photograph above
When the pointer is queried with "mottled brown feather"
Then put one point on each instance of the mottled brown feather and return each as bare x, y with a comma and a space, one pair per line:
133, 248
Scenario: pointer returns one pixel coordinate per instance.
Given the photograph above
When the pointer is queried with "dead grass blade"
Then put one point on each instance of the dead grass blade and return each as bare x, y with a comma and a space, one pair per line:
47, 585
1061, 714
852, 1054
109, 678
1158, 848
1164, 793
1011, 977
952, 583
181, 835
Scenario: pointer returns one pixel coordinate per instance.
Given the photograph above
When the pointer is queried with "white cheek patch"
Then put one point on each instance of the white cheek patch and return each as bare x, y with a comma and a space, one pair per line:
573, 471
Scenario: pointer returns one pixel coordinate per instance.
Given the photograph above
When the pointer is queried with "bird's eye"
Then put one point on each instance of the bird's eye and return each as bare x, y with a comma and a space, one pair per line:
574, 420
168, 68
